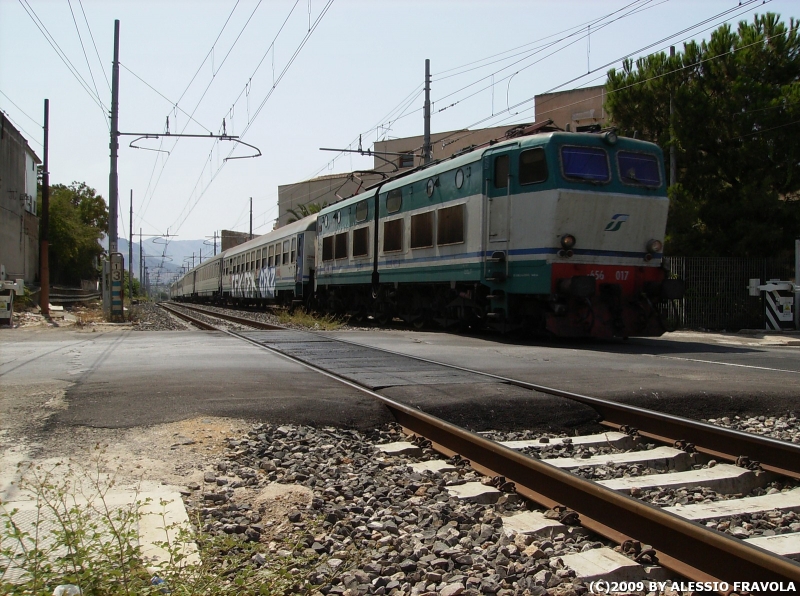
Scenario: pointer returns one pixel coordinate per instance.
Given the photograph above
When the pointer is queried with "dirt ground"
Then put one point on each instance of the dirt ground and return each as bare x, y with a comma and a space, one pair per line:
173, 454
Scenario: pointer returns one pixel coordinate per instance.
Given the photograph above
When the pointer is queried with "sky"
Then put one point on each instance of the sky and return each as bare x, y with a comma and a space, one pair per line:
291, 76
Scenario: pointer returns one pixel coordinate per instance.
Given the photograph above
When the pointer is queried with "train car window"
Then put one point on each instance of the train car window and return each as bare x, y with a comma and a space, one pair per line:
361, 242
340, 247
532, 166
588, 164
394, 200
422, 230
271, 257
362, 210
451, 225
285, 252
640, 169
393, 235
259, 265
327, 248
501, 171
294, 246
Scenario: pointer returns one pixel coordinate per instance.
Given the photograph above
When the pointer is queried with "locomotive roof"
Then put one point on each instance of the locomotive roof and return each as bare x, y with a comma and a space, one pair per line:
471, 157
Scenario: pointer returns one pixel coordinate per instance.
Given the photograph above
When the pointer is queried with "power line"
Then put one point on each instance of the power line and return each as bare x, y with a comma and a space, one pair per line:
54, 44
102, 68
80, 38
20, 109
685, 30
197, 105
172, 103
32, 138
315, 24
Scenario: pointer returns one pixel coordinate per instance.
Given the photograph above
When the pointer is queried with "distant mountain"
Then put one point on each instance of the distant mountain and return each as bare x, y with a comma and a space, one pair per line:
176, 254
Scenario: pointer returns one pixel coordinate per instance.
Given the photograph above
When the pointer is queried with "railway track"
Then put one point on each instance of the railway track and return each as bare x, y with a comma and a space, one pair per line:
680, 544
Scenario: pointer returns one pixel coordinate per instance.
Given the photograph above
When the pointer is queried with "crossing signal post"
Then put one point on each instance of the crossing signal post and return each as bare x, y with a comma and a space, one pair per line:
116, 269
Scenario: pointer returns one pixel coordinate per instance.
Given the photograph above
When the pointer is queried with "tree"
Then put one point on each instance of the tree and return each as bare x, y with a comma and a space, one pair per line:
735, 129
78, 220
305, 210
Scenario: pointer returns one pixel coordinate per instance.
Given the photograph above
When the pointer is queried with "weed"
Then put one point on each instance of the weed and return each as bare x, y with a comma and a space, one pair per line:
311, 320
71, 533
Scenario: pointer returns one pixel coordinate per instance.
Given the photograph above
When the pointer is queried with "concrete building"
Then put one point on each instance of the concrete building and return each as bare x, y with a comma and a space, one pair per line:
573, 110
19, 224
323, 190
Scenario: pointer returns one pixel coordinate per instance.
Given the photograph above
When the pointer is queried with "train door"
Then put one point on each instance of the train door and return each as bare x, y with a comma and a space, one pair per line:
500, 168
299, 265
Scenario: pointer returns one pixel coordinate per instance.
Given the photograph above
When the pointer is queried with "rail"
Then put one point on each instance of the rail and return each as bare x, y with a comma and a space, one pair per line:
682, 546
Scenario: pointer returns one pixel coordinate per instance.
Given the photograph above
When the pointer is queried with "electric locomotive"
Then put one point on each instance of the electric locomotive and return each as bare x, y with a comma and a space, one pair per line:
555, 232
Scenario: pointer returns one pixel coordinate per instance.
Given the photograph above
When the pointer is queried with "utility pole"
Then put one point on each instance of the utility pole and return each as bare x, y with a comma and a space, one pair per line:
130, 257
673, 177
44, 240
251, 218
201, 256
113, 177
426, 147
215, 243
141, 277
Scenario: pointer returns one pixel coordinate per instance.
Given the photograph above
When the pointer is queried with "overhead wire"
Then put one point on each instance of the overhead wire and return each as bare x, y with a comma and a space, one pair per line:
36, 122
83, 48
179, 222
199, 101
91, 35
62, 55
17, 125
745, 6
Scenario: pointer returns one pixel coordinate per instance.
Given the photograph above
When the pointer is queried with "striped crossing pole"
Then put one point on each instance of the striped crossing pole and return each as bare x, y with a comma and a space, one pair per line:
117, 267
778, 303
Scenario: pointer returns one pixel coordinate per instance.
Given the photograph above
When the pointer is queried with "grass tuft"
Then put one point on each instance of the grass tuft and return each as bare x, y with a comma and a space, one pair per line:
311, 320
72, 536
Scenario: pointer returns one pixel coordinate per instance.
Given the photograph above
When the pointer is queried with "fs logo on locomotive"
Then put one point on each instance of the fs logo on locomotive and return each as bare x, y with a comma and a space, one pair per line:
616, 222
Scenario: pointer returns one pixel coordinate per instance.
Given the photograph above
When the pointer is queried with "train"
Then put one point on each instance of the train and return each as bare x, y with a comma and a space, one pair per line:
548, 231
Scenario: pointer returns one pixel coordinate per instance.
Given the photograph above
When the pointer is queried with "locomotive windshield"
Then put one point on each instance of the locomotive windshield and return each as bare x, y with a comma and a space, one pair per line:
639, 168
585, 163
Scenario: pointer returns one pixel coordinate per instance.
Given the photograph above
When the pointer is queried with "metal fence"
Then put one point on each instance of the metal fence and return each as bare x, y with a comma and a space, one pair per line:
717, 296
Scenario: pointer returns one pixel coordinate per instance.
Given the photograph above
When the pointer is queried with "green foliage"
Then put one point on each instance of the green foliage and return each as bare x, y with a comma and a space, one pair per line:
735, 129
78, 537
126, 286
78, 220
305, 210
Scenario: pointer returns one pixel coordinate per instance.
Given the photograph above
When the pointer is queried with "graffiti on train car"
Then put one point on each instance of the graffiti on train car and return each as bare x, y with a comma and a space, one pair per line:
247, 285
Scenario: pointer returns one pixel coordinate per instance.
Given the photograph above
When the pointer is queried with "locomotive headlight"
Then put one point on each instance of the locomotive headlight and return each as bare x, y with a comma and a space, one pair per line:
610, 138
654, 246
568, 241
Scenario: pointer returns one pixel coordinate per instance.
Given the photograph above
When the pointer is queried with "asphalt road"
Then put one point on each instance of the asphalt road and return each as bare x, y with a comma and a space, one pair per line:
123, 379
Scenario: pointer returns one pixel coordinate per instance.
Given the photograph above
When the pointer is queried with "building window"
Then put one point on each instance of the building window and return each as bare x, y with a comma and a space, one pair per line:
393, 235
451, 225
406, 159
422, 230
361, 242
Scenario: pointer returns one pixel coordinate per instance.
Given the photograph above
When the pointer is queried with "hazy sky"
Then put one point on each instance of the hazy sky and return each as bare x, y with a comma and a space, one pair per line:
361, 67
